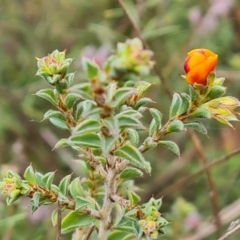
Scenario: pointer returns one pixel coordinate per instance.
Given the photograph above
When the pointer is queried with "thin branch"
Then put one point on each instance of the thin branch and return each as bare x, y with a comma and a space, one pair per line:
235, 226
89, 232
59, 221
213, 190
183, 182
227, 214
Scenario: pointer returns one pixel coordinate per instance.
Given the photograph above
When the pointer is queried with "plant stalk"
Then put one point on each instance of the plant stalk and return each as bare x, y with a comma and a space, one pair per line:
111, 188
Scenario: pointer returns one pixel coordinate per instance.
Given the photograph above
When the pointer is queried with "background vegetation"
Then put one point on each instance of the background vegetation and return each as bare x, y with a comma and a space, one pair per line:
92, 28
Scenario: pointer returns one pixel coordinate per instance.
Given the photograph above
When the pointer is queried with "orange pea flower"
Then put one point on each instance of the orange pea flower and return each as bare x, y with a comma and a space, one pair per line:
199, 64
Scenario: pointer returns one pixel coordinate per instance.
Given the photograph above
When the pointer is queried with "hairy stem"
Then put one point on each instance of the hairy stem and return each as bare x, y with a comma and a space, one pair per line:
111, 188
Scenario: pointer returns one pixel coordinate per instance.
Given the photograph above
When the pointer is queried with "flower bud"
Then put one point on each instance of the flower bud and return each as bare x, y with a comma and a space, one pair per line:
199, 64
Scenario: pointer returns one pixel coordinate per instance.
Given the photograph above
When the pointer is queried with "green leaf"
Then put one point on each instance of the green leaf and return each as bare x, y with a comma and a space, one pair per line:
91, 140
63, 185
69, 78
120, 235
71, 99
75, 220
49, 95
62, 143
81, 202
83, 89
171, 146
111, 89
192, 93
176, 126
90, 67
152, 127
197, 126
202, 112
175, 105
76, 188
35, 201
185, 104
130, 173
211, 79
59, 123
88, 125
130, 113
56, 118
129, 122
54, 218
13, 198
121, 95
133, 197
143, 101
133, 136
157, 116
29, 175
48, 179
132, 154
216, 92
107, 144
39, 177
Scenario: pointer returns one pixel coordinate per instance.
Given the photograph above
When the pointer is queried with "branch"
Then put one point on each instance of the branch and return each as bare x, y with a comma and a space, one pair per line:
211, 184
89, 232
183, 182
234, 226
59, 221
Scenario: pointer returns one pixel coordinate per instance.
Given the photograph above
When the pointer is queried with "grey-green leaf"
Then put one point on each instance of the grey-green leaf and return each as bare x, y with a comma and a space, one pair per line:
171, 146
175, 105
54, 217
91, 140
133, 136
157, 116
130, 173
121, 95
176, 126
71, 99
142, 101
81, 202
75, 220
29, 175
90, 68
49, 95
132, 154
185, 104
76, 188
63, 185
198, 126
88, 125
48, 179
56, 118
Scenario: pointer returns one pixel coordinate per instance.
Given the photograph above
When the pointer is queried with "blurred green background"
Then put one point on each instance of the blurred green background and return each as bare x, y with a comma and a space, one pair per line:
33, 28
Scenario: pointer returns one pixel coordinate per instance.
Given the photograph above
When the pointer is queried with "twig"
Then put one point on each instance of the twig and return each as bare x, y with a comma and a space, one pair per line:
235, 226
89, 232
211, 183
182, 182
59, 221
227, 215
